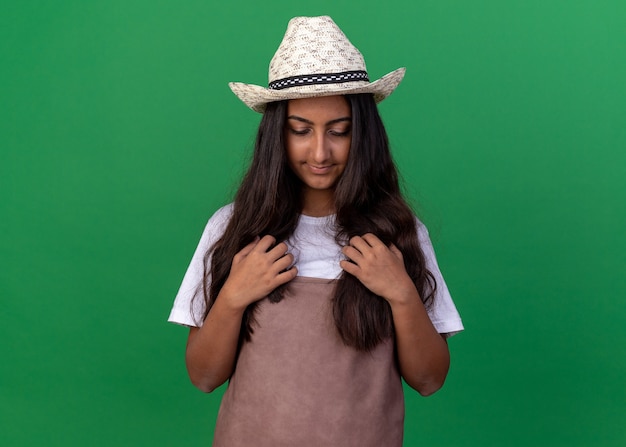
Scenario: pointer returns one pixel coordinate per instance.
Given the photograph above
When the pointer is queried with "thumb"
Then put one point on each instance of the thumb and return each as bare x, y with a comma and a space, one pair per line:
396, 251
248, 248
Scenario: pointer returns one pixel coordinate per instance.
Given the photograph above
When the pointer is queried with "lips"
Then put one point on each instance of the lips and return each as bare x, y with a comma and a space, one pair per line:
319, 169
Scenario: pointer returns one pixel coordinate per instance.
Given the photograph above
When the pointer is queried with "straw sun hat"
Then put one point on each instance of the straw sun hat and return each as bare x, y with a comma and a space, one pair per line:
315, 58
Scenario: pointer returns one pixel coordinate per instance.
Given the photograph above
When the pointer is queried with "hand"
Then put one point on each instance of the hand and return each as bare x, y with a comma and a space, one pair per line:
255, 272
378, 267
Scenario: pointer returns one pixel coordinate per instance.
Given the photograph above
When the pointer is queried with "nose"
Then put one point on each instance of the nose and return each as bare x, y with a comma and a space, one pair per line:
320, 150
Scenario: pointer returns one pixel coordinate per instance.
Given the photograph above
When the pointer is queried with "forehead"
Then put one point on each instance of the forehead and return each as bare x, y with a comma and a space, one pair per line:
324, 106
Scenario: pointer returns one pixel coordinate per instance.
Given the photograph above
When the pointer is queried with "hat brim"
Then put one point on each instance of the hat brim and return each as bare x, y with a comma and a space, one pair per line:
256, 97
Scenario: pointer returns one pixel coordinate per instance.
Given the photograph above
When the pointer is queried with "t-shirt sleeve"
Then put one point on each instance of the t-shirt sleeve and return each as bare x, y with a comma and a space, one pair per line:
443, 312
186, 310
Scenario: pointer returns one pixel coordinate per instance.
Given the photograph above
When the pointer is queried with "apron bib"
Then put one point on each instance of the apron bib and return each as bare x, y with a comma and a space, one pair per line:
297, 384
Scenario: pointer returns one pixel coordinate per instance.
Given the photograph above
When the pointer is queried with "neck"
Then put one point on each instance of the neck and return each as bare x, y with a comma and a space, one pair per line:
317, 203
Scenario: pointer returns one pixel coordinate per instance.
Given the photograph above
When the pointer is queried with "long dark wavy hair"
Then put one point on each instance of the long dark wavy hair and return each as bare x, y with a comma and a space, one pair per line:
367, 199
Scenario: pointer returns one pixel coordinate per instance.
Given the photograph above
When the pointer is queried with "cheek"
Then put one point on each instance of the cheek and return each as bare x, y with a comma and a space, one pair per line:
344, 153
294, 159
290, 150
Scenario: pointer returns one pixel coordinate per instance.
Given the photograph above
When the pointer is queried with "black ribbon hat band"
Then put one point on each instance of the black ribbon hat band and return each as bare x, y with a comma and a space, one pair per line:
316, 79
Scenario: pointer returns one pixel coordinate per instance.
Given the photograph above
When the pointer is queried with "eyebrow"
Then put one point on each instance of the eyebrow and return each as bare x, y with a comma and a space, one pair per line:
304, 120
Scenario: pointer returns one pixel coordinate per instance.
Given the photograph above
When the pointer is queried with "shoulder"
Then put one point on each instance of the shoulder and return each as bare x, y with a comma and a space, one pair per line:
222, 216
422, 231
216, 226
218, 221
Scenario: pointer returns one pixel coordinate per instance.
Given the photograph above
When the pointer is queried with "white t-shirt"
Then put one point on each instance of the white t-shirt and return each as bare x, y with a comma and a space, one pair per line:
317, 255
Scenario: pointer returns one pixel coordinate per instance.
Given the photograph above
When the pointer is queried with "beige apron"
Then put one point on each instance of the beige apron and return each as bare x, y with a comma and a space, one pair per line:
297, 384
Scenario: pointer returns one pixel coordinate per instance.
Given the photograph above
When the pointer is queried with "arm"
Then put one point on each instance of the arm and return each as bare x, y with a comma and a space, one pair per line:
423, 354
255, 272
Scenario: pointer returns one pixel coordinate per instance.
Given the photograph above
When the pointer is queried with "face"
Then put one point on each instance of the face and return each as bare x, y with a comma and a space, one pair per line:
318, 133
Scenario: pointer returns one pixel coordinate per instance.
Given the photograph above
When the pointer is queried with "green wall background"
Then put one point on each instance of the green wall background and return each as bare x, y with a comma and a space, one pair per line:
119, 137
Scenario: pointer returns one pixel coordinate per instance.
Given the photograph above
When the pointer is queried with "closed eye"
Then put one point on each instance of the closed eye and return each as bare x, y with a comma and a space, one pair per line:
340, 133
298, 131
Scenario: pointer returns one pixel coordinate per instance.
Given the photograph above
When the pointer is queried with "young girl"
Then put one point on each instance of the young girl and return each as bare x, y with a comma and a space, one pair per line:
317, 290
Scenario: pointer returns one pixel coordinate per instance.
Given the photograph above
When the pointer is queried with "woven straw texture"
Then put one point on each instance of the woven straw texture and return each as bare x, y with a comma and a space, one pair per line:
315, 46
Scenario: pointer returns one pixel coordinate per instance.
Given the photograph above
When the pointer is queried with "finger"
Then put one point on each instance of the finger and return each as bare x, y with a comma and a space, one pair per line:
352, 253
350, 267
247, 249
372, 240
360, 244
283, 263
265, 243
286, 276
396, 252
278, 251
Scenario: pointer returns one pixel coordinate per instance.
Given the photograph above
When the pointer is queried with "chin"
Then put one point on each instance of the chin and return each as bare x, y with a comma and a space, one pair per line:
321, 186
